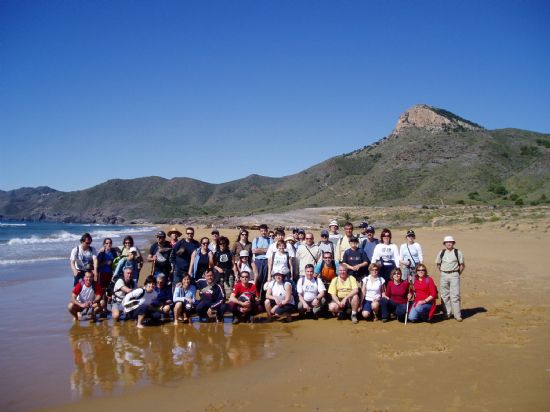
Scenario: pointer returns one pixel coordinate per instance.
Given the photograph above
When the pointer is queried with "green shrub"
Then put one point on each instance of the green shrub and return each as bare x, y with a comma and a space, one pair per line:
498, 189
519, 202
545, 143
514, 197
460, 202
529, 151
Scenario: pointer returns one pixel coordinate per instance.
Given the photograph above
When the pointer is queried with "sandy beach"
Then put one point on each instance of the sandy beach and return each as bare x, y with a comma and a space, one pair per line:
497, 359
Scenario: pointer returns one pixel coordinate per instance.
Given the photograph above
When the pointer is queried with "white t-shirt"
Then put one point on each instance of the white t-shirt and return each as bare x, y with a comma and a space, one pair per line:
415, 254
280, 264
374, 287
84, 259
278, 291
386, 253
310, 288
87, 294
273, 248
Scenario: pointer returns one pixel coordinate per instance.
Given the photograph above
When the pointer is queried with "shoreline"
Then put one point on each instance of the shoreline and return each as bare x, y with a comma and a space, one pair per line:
496, 359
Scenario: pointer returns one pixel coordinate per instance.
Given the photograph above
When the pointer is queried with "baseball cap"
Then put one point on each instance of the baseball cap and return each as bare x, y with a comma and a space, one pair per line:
364, 225
161, 233
324, 232
410, 232
333, 223
370, 228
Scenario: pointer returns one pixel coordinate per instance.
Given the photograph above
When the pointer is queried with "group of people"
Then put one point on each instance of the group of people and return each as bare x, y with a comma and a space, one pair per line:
343, 275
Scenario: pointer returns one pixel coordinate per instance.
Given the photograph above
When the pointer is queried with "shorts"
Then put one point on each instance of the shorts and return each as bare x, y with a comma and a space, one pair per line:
104, 280
367, 306
287, 308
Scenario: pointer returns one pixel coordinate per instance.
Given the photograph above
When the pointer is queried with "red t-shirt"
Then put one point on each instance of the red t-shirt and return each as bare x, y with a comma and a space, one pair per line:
424, 288
397, 293
239, 289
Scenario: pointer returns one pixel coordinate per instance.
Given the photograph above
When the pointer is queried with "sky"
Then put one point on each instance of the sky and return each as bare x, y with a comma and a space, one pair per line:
219, 90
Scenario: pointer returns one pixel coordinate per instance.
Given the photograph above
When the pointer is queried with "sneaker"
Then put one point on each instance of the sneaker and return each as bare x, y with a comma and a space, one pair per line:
458, 319
341, 316
354, 319
235, 321
384, 320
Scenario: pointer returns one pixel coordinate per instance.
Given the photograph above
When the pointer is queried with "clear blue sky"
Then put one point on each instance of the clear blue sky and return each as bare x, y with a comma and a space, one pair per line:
217, 90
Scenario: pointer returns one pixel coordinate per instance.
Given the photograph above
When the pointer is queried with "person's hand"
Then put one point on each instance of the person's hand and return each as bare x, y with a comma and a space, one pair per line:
315, 302
409, 296
306, 306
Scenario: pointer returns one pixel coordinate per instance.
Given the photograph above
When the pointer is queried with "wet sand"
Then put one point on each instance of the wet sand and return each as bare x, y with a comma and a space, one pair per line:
497, 359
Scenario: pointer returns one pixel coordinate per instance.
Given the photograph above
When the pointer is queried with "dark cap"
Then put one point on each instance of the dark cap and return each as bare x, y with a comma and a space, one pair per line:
410, 232
370, 228
354, 239
161, 233
364, 225
301, 232
324, 232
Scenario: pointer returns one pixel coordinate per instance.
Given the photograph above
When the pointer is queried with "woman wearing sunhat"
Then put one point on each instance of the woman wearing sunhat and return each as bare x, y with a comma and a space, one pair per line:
411, 255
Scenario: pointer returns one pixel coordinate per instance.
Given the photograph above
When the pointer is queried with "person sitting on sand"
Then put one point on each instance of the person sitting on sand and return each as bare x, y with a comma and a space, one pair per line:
83, 259
243, 300
394, 300
373, 288
184, 300
141, 302
122, 287
425, 294
344, 292
86, 298
212, 298
279, 299
164, 298
311, 292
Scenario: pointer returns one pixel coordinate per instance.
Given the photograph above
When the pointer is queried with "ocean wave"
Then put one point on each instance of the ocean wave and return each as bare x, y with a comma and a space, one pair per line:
58, 237
64, 236
21, 261
12, 224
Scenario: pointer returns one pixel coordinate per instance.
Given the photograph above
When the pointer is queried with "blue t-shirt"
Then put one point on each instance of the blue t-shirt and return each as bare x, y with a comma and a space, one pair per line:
261, 243
105, 261
368, 247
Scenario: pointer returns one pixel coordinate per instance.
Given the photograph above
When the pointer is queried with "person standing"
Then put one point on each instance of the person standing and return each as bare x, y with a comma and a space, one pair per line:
386, 255
159, 255
180, 257
308, 253
325, 245
259, 249
411, 256
173, 235
450, 262
355, 260
333, 235
83, 259
369, 243
363, 234
343, 243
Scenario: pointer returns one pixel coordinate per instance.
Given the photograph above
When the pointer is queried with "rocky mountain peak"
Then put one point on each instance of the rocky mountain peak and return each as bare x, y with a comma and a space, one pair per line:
432, 119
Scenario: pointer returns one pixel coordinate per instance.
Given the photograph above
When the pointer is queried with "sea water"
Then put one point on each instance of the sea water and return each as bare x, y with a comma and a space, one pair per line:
33, 250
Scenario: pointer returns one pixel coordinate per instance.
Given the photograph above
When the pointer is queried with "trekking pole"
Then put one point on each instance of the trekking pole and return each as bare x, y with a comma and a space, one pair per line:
153, 268
408, 302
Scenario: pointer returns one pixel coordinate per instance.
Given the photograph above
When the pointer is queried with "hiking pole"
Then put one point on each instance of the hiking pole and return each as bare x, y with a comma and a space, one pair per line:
408, 301
153, 267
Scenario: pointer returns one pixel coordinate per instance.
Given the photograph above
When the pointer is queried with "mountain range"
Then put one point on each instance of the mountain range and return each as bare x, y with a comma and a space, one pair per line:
431, 156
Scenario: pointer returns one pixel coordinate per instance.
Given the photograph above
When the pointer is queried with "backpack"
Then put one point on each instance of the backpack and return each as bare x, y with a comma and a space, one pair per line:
443, 253
287, 262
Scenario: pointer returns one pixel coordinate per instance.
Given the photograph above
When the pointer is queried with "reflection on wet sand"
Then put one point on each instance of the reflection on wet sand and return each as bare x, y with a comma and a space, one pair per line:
109, 359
